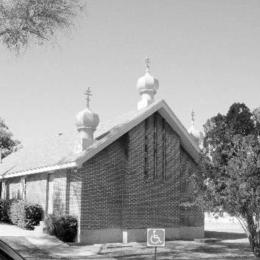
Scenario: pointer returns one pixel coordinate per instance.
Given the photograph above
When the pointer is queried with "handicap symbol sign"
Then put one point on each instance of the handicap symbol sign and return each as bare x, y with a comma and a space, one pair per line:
155, 237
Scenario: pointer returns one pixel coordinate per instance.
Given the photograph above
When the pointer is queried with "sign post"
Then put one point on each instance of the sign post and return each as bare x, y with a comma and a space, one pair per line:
155, 238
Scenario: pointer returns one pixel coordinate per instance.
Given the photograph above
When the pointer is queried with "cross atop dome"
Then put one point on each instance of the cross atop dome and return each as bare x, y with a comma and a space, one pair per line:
88, 94
147, 64
192, 117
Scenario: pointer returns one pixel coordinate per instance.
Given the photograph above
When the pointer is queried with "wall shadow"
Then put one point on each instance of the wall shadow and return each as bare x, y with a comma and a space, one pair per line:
224, 235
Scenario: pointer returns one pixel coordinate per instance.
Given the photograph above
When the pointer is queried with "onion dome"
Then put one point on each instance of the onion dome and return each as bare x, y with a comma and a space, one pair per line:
192, 130
147, 83
86, 122
87, 119
147, 87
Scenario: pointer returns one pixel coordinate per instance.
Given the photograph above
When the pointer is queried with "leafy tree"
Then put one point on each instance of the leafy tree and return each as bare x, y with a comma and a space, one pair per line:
229, 180
256, 114
7, 143
220, 129
23, 21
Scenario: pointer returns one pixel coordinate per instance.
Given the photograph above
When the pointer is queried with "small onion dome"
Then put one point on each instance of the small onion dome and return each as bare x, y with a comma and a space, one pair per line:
147, 83
195, 134
193, 131
87, 119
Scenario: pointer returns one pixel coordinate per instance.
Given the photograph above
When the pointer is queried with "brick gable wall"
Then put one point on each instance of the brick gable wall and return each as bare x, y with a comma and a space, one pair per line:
152, 183
136, 181
102, 188
190, 216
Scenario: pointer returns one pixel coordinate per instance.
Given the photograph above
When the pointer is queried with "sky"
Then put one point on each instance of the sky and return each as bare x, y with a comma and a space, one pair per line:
205, 54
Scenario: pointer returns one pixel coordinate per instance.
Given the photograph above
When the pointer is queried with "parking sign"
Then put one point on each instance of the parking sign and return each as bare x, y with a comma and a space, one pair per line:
156, 237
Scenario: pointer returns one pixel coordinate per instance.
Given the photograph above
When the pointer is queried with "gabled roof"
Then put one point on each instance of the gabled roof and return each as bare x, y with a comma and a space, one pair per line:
60, 152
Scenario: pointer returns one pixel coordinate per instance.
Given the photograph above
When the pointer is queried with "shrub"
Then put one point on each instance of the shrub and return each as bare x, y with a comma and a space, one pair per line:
33, 214
49, 223
5, 210
64, 227
25, 215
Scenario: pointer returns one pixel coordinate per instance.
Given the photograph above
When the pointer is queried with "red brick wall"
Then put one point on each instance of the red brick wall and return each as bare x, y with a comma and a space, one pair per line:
190, 216
152, 198
123, 189
102, 188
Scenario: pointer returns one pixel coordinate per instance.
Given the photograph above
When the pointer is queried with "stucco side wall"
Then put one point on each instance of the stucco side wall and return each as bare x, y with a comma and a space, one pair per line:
47, 189
75, 190
15, 190
58, 196
36, 186
74, 197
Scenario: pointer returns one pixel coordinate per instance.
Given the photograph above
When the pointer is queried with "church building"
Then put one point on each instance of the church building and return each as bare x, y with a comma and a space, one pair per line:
118, 178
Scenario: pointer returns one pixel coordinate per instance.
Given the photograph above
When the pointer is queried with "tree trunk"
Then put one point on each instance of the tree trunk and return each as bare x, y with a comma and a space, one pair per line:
254, 235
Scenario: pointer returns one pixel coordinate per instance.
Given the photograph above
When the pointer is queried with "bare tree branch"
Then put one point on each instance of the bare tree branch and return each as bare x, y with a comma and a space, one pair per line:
22, 21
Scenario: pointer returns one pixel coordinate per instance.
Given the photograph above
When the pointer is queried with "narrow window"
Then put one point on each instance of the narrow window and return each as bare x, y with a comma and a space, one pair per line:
155, 145
164, 150
146, 149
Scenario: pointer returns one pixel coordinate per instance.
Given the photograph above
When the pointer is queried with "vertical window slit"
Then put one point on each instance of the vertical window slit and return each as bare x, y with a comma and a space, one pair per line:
145, 149
155, 145
164, 150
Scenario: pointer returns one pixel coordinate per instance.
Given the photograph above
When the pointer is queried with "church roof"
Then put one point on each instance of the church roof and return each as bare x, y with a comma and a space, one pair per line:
60, 151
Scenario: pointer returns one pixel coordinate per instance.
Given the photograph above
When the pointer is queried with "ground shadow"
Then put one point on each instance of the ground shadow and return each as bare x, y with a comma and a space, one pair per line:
224, 235
208, 250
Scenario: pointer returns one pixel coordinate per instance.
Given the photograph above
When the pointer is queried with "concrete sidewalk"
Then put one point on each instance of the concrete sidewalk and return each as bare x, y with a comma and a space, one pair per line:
46, 248
231, 244
36, 245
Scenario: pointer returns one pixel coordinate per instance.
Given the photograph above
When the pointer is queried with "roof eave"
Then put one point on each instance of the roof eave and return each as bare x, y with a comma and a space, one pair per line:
40, 170
186, 140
